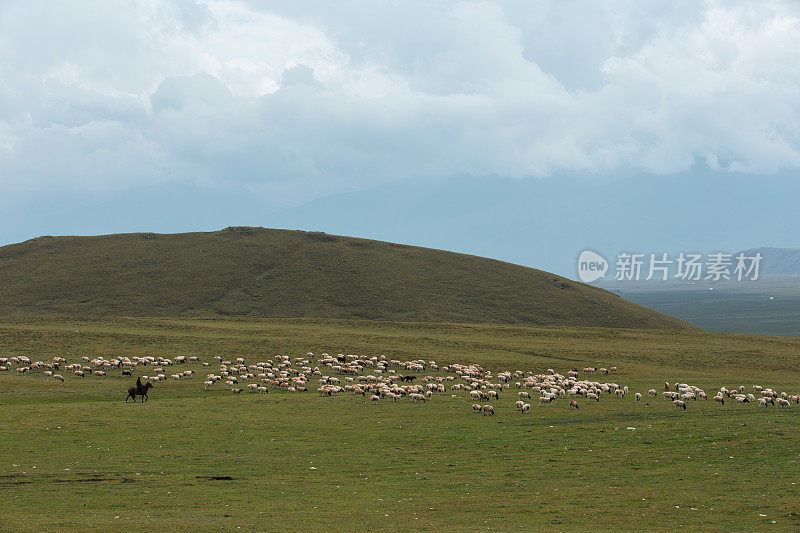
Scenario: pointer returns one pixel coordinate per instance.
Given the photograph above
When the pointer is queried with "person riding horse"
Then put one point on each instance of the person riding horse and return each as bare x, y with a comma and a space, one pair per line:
139, 390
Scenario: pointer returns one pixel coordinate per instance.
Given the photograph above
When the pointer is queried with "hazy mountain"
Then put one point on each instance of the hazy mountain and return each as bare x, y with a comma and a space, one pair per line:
546, 223
778, 261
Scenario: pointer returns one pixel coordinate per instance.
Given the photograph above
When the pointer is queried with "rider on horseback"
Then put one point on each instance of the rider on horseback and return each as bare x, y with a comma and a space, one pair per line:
139, 390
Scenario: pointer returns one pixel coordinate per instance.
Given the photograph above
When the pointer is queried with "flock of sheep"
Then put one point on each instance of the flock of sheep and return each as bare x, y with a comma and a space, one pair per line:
383, 379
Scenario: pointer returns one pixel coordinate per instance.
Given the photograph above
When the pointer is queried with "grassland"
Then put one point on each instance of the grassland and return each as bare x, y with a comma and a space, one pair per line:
74, 455
280, 273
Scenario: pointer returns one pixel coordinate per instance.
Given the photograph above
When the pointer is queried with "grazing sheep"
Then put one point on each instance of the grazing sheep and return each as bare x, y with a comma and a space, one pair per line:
592, 396
476, 407
573, 403
519, 404
236, 391
680, 404
719, 398
652, 392
784, 403
526, 407
638, 396
488, 410
374, 398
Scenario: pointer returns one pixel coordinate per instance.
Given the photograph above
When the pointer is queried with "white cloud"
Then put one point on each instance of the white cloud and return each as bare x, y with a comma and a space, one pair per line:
306, 98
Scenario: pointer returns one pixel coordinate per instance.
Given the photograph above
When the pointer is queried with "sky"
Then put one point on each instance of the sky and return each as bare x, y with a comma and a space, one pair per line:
173, 115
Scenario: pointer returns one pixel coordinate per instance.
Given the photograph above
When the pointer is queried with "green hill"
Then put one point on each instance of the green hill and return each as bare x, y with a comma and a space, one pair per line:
280, 273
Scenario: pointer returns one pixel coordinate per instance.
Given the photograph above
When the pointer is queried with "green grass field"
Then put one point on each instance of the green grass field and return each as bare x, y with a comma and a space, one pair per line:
74, 455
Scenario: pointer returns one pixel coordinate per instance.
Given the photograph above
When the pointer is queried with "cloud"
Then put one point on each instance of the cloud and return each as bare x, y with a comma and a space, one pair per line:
298, 99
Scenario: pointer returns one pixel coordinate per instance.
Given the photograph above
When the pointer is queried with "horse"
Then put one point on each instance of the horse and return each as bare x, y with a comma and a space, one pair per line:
133, 392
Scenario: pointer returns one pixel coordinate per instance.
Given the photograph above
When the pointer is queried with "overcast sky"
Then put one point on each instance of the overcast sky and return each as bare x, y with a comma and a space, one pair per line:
296, 100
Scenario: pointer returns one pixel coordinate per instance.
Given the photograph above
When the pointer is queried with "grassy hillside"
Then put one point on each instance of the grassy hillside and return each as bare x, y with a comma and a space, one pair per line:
280, 273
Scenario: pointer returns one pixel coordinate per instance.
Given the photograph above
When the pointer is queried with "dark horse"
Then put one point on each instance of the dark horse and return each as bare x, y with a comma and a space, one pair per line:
133, 392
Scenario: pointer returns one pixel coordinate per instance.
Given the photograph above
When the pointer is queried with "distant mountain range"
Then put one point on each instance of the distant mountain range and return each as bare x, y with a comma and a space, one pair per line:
777, 261
546, 223
538, 222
